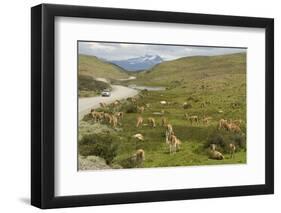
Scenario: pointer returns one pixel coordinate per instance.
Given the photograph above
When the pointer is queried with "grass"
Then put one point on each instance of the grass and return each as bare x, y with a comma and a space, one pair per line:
213, 86
193, 68
94, 67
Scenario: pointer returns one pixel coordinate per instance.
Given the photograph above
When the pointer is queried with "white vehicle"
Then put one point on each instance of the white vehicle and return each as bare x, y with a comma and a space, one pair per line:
105, 93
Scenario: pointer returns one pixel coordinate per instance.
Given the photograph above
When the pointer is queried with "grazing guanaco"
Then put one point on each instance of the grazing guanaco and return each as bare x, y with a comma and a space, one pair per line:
174, 143
191, 118
141, 109
97, 116
107, 118
206, 120
152, 122
119, 115
168, 133
139, 136
114, 121
139, 156
234, 128
139, 121
214, 154
164, 121
223, 124
232, 149
103, 105
116, 103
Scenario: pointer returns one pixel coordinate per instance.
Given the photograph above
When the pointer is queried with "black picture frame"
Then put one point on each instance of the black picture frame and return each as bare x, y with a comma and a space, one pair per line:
43, 102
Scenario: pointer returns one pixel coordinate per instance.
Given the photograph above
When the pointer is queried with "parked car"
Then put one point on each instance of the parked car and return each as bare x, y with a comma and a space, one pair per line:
105, 93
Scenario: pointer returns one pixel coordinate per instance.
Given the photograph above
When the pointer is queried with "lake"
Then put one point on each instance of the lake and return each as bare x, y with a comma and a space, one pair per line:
149, 88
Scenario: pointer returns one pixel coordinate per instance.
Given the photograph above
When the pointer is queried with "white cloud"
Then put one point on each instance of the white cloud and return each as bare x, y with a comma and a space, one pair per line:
119, 51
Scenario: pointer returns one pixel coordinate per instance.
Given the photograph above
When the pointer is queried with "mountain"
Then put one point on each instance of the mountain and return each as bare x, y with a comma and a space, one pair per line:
96, 68
194, 68
140, 63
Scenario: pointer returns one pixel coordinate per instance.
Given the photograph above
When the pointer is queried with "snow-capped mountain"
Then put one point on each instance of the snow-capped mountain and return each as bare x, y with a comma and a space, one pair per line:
140, 63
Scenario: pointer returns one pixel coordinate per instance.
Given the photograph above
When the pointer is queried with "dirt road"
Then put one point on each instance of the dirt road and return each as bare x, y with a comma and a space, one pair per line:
118, 92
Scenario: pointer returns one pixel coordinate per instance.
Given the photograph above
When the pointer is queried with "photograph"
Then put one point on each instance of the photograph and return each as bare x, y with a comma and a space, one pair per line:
160, 105
140, 105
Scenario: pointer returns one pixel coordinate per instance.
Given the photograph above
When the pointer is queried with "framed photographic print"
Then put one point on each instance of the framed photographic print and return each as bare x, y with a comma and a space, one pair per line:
139, 106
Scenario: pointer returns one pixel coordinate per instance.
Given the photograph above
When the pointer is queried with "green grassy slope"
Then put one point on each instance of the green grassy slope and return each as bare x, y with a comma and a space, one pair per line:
213, 86
92, 66
194, 68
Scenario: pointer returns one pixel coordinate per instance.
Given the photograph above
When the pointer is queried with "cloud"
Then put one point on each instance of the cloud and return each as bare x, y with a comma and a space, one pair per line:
120, 51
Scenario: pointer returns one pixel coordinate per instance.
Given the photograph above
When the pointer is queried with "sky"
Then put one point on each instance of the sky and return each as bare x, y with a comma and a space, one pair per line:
122, 51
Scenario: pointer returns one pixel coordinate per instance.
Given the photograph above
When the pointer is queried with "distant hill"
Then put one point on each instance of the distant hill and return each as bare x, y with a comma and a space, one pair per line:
90, 69
96, 68
140, 63
194, 68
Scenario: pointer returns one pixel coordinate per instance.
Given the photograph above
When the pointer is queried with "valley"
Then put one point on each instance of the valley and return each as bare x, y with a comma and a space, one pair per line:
202, 87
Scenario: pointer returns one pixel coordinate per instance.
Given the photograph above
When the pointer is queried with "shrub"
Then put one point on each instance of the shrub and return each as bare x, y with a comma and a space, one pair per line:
128, 163
223, 138
87, 117
239, 141
129, 108
192, 98
102, 145
187, 106
235, 105
218, 139
108, 109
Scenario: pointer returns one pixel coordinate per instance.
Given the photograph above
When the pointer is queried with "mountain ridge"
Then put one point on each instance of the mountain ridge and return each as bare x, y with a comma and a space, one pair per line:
138, 63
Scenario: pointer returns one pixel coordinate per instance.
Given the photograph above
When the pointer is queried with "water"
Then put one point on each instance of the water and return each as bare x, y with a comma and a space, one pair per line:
149, 88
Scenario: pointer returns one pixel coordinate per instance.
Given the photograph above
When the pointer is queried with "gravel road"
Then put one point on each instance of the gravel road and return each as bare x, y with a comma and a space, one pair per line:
118, 92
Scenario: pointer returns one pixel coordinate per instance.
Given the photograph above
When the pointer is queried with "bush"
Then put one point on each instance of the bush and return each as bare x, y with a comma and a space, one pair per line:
218, 139
87, 117
128, 163
235, 105
223, 138
187, 106
239, 141
129, 108
102, 145
192, 98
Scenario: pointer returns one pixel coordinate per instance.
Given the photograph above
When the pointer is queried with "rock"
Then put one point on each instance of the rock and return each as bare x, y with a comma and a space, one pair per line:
92, 163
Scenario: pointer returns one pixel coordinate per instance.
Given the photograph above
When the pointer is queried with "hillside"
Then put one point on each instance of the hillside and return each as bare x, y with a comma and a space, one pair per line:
88, 86
194, 68
92, 66
220, 80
